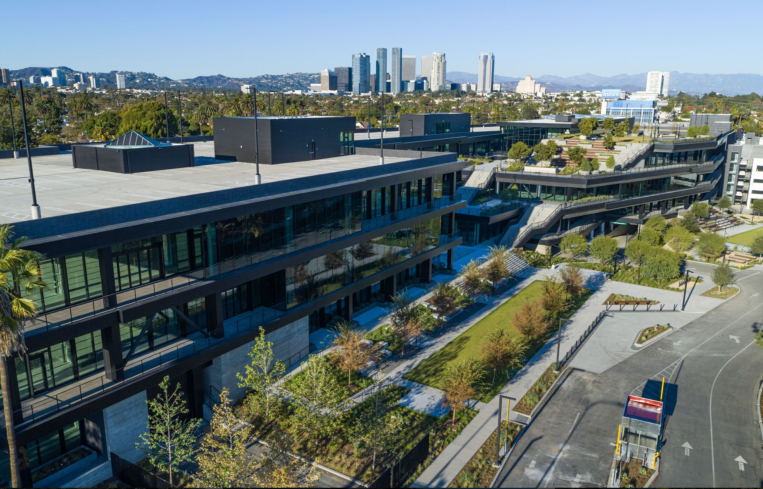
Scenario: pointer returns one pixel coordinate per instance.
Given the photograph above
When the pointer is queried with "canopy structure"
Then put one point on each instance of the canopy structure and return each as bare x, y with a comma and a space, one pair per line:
134, 140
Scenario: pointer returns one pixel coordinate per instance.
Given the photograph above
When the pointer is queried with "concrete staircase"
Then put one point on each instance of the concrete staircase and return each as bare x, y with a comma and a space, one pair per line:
535, 217
480, 179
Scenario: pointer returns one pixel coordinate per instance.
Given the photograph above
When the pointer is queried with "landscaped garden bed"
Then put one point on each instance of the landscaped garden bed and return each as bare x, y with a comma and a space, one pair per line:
634, 475
358, 381
626, 274
533, 396
627, 300
724, 293
60, 463
651, 333
479, 470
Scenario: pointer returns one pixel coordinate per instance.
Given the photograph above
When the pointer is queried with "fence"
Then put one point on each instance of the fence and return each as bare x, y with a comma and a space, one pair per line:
582, 338
403, 469
136, 476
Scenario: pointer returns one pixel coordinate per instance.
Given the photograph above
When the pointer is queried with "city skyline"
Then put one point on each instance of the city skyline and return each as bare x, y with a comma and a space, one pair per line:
291, 55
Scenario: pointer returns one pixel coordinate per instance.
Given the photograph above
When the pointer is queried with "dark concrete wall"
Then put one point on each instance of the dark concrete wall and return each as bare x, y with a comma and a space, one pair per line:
132, 160
424, 124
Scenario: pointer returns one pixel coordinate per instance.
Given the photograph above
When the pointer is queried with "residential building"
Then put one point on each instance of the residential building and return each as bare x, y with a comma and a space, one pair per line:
361, 73
485, 72
530, 87
121, 84
343, 78
396, 71
181, 286
643, 96
80, 86
381, 70
328, 80
743, 182
657, 82
35, 80
5, 76
409, 68
426, 67
315, 87
496, 87
413, 85
437, 82
642, 111
95, 82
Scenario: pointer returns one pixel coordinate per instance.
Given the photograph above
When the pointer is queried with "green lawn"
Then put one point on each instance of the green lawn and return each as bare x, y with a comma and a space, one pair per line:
469, 344
746, 238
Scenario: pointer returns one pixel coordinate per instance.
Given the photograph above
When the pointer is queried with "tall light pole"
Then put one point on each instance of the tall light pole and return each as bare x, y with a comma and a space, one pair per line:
35, 208
13, 130
368, 125
381, 158
562, 322
283, 105
167, 116
180, 116
257, 177
686, 286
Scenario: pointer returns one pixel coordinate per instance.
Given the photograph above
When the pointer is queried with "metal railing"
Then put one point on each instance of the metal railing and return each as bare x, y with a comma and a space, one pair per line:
582, 338
491, 211
61, 317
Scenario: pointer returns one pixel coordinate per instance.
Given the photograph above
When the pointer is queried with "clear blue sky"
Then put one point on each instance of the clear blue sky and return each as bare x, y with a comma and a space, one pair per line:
182, 39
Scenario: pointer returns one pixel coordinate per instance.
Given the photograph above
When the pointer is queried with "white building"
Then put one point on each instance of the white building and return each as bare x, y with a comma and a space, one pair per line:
496, 87
246, 89
56, 73
437, 81
657, 82
121, 84
409, 67
49, 81
80, 86
94, 81
485, 72
426, 67
530, 87
643, 95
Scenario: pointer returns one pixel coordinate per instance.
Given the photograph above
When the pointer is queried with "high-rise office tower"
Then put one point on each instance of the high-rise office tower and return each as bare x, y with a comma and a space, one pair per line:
657, 82
94, 81
343, 78
121, 83
361, 73
5, 76
56, 73
438, 72
381, 70
426, 67
79, 78
328, 80
409, 68
396, 71
485, 73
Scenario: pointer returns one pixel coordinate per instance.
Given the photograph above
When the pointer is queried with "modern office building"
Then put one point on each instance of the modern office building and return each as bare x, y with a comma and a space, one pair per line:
49, 81
533, 131
530, 87
121, 83
35, 80
413, 85
434, 123
396, 71
642, 111
426, 67
328, 80
79, 78
612, 94
717, 123
177, 277
658, 82
409, 68
439, 73
485, 73
95, 82
381, 70
343, 78
361, 73
59, 74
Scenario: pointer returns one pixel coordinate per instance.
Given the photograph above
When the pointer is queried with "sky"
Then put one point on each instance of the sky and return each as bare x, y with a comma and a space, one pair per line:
184, 39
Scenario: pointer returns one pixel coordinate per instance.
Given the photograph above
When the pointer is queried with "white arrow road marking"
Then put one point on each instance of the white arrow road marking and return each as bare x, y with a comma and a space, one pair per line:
735, 338
686, 448
741, 462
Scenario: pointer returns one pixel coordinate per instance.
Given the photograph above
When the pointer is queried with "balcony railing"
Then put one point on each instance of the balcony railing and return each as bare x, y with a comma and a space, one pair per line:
60, 317
490, 211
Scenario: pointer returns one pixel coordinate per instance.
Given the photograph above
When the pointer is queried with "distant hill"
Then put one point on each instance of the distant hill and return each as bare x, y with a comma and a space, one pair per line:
727, 84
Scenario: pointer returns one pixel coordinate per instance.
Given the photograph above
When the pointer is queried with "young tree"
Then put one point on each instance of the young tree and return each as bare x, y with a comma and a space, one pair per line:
704, 130
462, 381
444, 298
637, 252
574, 245
603, 248
412, 329
650, 235
376, 429
316, 402
278, 468
662, 265
679, 238
586, 127
756, 248
724, 203
658, 223
471, 278
577, 154
501, 350
611, 164
711, 245
690, 223
757, 207
519, 151
222, 456
594, 164
402, 310
692, 132
352, 352
531, 320
622, 129
262, 373
497, 267
572, 279
700, 209
608, 124
169, 441
636, 128
722, 276
609, 142
19, 271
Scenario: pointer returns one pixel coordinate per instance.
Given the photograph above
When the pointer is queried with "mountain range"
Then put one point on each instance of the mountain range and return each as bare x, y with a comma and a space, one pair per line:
728, 84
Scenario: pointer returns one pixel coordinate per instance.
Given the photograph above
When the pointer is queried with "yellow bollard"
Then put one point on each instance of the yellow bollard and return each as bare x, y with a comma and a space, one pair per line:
654, 461
617, 449
663, 388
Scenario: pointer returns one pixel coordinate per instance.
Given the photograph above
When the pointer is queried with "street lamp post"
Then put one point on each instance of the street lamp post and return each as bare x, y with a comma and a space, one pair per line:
13, 130
381, 158
257, 177
167, 116
180, 115
686, 286
35, 208
562, 321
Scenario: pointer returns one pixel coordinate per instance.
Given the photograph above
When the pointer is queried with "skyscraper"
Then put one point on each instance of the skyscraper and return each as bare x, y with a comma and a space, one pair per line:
426, 67
94, 81
657, 82
438, 72
79, 78
361, 73
485, 73
396, 71
343, 78
409, 68
121, 84
381, 70
328, 80
56, 73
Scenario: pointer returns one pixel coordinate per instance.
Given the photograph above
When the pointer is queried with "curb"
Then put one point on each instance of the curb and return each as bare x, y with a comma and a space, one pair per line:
654, 476
552, 389
760, 418
665, 333
507, 455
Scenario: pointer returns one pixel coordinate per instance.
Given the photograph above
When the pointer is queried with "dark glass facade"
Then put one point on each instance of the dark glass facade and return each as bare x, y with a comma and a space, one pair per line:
530, 135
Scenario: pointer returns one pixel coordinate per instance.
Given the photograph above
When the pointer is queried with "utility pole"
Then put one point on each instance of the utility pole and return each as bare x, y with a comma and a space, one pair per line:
35, 208
167, 116
257, 177
180, 117
381, 158
13, 130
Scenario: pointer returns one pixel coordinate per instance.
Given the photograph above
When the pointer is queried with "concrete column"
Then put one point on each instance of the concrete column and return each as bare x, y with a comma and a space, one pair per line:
112, 353
393, 200
450, 259
106, 268
348, 307
123, 423
389, 287
214, 307
426, 271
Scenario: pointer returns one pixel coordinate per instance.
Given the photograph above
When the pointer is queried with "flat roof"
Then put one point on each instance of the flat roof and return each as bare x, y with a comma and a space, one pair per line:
540, 122
643, 409
63, 190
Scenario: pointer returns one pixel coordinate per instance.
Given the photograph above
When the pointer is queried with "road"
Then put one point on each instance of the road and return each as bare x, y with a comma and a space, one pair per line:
714, 370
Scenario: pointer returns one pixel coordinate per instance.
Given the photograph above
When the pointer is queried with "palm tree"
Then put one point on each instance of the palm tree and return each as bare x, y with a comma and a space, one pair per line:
18, 268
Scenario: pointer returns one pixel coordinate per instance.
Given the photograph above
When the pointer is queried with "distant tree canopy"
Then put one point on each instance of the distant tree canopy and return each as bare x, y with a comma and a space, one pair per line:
147, 118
